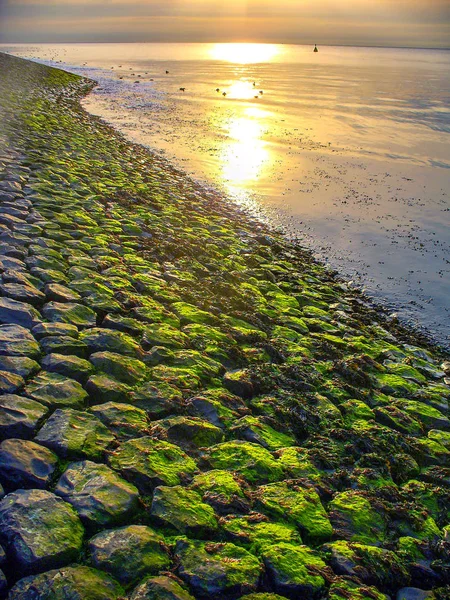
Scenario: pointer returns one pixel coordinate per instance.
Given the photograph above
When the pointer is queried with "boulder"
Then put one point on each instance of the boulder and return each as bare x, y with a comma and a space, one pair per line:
10, 382
130, 553
69, 312
19, 365
98, 494
40, 531
124, 369
13, 312
160, 588
125, 421
18, 341
24, 465
19, 416
75, 434
69, 366
56, 390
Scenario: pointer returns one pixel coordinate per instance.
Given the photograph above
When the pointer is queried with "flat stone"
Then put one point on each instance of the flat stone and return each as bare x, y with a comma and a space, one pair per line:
124, 369
98, 494
40, 531
74, 583
54, 329
188, 432
75, 434
17, 341
184, 510
24, 464
19, 416
215, 570
11, 263
23, 293
109, 340
410, 593
53, 389
75, 314
49, 275
64, 345
239, 383
149, 463
19, 365
124, 420
18, 313
102, 388
130, 553
10, 382
70, 366
158, 399
161, 588
60, 293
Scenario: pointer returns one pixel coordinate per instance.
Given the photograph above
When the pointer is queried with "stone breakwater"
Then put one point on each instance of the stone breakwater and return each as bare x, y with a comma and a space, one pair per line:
190, 406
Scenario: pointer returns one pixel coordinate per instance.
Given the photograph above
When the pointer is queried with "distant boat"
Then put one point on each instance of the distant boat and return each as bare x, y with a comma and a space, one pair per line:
316, 49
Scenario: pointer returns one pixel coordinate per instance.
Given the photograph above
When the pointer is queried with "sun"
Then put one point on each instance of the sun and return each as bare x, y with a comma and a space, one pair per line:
244, 53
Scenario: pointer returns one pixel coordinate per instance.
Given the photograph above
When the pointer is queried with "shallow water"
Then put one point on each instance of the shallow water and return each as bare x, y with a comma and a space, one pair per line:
348, 150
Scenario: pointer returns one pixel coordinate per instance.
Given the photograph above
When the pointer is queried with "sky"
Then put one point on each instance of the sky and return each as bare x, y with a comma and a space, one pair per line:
409, 23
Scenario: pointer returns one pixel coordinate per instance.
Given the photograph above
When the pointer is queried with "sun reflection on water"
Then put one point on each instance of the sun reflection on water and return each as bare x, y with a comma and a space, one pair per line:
245, 53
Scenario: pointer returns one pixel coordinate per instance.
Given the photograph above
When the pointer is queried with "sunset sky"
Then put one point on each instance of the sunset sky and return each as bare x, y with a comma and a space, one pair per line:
416, 23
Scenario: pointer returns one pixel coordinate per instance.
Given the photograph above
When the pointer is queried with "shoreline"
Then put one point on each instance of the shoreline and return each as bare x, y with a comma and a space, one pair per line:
208, 406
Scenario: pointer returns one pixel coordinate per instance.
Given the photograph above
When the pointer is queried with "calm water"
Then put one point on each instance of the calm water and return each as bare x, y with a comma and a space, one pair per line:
348, 150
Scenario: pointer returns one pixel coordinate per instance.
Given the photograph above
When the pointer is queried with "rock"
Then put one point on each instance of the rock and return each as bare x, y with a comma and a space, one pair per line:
98, 494
239, 383
49, 275
24, 465
18, 341
149, 463
75, 434
19, 365
292, 570
252, 461
124, 420
64, 345
70, 312
3, 584
215, 570
354, 519
162, 334
184, 510
13, 312
343, 589
19, 416
59, 293
70, 366
256, 430
124, 369
10, 382
158, 399
74, 583
59, 329
187, 432
108, 340
130, 553
53, 390
22, 293
410, 593
102, 388
40, 531
298, 505
257, 532
222, 490
160, 588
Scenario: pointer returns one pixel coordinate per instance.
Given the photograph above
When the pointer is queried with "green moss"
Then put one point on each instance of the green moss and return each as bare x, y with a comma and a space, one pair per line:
251, 461
298, 505
222, 483
354, 410
395, 385
297, 464
254, 429
343, 589
189, 313
258, 532
354, 519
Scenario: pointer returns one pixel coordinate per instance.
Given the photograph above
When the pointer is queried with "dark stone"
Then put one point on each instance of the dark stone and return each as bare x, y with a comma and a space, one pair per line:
24, 465
69, 583
70, 366
124, 420
18, 341
19, 416
160, 588
129, 553
44, 330
239, 383
19, 365
40, 531
53, 389
109, 340
74, 314
409, 593
18, 313
22, 293
60, 293
75, 434
98, 494
67, 346
10, 382
102, 388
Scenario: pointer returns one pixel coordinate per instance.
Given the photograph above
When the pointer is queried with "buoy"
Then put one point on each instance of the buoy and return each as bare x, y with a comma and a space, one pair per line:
316, 49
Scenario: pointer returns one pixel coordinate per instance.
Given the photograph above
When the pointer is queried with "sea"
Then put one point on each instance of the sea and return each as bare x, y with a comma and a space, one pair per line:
346, 150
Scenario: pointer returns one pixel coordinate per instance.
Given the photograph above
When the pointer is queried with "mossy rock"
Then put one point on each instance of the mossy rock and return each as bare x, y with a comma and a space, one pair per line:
69, 582
183, 510
253, 462
129, 554
218, 487
239, 382
297, 463
256, 430
442, 437
124, 369
69, 366
69, 312
55, 390
189, 313
185, 379
215, 570
162, 334
160, 588
293, 570
301, 506
15, 340
64, 345
354, 410
256, 532
263, 596
342, 589
354, 519
75, 434
149, 463
158, 399
98, 339
207, 339
430, 417
19, 416
395, 385
125, 421
392, 416
102, 388
188, 432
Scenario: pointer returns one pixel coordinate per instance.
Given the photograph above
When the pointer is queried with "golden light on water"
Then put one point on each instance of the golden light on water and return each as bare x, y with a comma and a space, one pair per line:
245, 53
